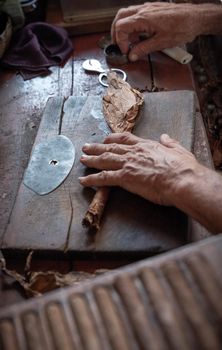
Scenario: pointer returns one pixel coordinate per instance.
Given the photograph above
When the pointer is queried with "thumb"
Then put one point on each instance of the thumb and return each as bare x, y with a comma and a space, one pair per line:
145, 47
167, 141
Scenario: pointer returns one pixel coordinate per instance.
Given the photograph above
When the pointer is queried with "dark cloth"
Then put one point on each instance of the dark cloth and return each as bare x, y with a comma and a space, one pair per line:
35, 48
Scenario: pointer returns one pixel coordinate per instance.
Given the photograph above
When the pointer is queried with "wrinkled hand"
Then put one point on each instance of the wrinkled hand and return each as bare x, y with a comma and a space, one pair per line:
167, 25
153, 170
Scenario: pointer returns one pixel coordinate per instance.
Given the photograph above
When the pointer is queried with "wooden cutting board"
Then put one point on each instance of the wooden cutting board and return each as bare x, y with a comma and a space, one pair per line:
130, 224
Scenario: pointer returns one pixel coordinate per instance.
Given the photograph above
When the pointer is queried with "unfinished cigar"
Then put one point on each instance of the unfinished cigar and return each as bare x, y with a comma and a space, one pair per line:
120, 107
94, 213
178, 54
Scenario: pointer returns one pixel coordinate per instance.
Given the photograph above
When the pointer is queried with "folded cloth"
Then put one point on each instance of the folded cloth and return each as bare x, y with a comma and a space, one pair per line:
35, 48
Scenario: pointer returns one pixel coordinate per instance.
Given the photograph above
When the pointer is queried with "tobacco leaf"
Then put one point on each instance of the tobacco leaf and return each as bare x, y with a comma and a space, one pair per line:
37, 283
42, 282
121, 104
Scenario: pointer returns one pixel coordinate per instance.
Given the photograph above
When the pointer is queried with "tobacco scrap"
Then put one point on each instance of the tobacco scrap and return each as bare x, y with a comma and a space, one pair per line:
121, 105
36, 283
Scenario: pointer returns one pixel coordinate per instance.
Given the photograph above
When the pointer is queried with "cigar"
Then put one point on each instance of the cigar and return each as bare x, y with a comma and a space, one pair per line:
95, 211
178, 54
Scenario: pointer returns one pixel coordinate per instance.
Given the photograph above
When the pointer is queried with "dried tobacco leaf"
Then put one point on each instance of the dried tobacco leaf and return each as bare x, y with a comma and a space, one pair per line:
37, 283
121, 104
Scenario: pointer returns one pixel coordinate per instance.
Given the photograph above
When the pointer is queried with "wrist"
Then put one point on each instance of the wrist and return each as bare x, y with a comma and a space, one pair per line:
200, 196
208, 19
182, 182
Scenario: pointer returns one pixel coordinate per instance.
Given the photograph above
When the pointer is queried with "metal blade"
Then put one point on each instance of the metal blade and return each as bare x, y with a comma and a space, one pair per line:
51, 162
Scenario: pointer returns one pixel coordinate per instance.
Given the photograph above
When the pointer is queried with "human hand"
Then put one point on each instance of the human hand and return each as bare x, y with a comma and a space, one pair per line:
166, 24
150, 169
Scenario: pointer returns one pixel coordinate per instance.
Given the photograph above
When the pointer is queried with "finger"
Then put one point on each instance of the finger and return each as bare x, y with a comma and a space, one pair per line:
106, 161
167, 141
154, 43
122, 13
100, 148
104, 178
124, 138
125, 27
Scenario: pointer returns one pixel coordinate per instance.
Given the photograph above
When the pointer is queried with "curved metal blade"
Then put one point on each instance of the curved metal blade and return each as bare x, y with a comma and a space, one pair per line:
51, 162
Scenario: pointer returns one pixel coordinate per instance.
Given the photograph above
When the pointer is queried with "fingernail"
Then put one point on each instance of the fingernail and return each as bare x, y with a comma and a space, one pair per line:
86, 146
165, 137
83, 156
133, 57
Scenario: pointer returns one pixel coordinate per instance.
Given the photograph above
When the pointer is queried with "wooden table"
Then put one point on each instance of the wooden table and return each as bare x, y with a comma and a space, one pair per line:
21, 107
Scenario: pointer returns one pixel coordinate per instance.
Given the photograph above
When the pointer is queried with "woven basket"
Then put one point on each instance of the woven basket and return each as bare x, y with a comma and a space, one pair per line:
5, 36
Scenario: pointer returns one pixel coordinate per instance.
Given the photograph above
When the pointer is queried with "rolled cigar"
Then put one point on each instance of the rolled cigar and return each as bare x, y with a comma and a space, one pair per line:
95, 211
178, 54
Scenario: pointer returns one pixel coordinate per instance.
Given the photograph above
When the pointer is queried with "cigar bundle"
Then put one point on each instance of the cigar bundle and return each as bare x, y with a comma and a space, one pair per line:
121, 105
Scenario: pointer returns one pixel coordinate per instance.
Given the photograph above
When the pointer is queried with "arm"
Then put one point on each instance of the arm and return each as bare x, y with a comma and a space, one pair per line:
167, 25
163, 172
202, 198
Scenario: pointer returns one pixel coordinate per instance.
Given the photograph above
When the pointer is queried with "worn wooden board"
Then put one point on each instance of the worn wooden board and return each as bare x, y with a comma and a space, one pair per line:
21, 108
130, 224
